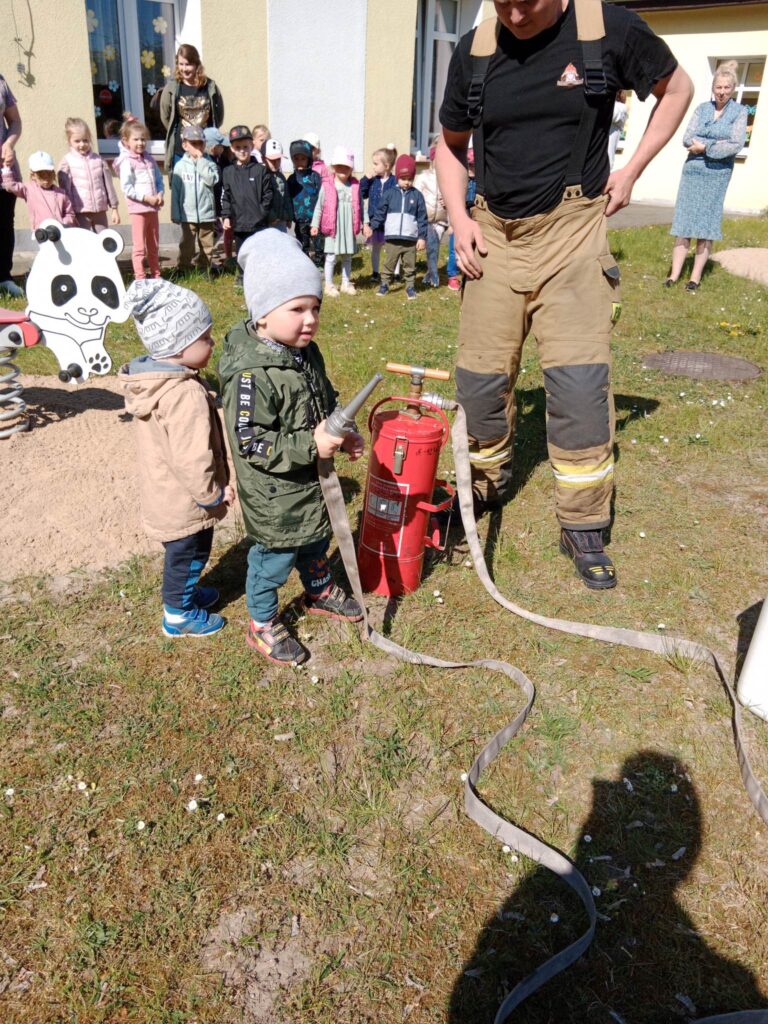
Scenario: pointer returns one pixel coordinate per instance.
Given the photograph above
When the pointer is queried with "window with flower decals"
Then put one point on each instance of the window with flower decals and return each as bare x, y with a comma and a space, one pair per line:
133, 48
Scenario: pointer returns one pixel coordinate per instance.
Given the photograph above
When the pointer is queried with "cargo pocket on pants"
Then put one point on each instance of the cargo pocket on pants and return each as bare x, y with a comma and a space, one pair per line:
612, 274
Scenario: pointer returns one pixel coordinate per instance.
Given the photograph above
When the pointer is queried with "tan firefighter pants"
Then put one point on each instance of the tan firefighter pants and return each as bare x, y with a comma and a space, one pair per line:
554, 276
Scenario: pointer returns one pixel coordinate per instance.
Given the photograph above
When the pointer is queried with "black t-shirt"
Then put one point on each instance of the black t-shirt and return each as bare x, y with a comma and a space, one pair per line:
193, 106
530, 121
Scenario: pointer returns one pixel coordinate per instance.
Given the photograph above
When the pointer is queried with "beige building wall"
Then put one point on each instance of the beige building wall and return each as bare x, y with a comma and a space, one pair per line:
61, 69
694, 37
234, 51
389, 61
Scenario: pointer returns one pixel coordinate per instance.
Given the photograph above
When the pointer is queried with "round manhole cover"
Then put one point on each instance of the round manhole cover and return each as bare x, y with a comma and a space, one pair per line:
701, 365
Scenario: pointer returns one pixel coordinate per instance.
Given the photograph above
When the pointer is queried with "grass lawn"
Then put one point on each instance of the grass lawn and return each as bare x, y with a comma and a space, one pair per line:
327, 873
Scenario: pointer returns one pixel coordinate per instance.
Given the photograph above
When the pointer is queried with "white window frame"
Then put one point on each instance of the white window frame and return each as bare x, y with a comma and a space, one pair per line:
741, 86
186, 19
425, 50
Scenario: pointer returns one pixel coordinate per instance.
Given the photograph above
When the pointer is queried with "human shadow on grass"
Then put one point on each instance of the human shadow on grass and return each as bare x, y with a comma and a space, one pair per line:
648, 964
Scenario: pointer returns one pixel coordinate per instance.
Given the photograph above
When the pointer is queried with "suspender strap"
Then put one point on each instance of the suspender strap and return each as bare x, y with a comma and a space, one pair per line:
484, 43
590, 28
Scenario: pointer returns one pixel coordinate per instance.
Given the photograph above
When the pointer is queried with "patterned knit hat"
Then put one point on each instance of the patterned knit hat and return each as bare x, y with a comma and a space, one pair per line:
168, 318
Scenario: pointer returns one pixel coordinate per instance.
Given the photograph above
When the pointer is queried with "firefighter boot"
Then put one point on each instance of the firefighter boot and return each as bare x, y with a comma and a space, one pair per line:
585, 549
335, 604
275, 642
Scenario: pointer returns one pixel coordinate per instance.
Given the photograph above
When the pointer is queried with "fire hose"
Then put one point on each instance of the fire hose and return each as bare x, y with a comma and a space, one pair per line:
476, 808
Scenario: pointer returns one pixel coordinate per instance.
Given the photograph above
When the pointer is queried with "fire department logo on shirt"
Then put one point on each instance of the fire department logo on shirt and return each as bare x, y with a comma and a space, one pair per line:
570, 78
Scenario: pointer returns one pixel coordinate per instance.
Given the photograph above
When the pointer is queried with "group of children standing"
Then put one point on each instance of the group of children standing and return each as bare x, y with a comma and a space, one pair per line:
223, 183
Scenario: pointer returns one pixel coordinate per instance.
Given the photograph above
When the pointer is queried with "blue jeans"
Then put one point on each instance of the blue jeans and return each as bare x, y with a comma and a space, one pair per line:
451, 268
433, 255
185, 560
269, 568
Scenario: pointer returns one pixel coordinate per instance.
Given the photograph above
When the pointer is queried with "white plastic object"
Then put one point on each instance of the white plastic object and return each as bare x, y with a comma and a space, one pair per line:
752, 687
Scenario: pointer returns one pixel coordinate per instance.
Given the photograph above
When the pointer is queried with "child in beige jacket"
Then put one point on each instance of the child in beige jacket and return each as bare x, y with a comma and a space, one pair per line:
182, 458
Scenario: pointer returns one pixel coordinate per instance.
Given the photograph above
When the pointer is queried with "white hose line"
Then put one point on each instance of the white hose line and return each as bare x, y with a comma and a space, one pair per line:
495, 825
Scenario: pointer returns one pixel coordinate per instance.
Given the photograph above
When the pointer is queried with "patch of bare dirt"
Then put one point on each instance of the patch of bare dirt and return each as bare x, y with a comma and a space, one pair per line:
257, 972
750, 262
70, 499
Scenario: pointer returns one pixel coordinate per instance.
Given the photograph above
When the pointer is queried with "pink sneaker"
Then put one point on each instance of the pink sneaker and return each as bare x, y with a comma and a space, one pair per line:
454, 284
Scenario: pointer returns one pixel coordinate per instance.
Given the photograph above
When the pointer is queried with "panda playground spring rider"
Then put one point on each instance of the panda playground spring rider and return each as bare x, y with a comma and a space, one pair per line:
74, 290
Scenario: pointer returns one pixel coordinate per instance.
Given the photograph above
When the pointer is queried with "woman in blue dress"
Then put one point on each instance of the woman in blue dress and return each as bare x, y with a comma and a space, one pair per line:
715, 134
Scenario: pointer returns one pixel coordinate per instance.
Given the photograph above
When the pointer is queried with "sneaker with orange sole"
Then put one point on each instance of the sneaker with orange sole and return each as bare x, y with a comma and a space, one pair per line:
275, 642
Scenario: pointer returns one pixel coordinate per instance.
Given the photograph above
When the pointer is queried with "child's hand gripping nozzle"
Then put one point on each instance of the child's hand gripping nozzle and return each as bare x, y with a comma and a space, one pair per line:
332, 432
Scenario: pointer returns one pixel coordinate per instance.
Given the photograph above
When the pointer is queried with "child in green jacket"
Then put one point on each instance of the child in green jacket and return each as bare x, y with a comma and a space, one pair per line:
276, 400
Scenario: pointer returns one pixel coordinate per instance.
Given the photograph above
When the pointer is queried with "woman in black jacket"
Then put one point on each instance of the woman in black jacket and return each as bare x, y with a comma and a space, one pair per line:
191, 99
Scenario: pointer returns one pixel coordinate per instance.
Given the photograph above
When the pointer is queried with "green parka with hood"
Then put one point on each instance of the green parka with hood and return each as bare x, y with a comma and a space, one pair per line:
272, 404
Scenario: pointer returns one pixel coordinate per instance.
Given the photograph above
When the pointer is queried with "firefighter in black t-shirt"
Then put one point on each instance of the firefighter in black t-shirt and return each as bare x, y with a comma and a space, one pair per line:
534, 251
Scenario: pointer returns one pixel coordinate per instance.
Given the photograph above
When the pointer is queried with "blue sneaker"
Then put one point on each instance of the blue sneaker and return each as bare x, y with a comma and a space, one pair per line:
195, 622
205, 597
410, 293
383, 289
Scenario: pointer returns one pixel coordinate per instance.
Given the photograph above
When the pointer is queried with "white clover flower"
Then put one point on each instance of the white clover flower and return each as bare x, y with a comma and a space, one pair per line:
221, 816
140, 826
554, 918
464, 776
435, 593
314, 679
10, 792
596, 891
642, 533
661, 625
506, 849
82, 785
192, 806
587, 838
199, 777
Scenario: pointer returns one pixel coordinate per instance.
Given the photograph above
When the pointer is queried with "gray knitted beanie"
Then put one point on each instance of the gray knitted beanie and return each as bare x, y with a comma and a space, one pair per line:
167, 317
275, 270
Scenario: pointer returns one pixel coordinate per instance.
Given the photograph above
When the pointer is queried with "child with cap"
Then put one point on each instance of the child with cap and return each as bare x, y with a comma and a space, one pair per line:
43, 196
304, 188
247, 193
402, 215
276, 400
339, 217
193, 204
182, 459
317, 163
281, 210
217, 148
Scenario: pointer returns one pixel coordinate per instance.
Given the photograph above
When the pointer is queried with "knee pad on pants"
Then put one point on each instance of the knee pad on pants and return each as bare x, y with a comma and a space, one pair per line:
484, 399
578, 406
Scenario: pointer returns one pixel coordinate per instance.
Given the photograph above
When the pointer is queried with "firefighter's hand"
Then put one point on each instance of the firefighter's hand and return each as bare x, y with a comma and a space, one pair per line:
353, 445
421, 245
327, 444
468, 243
618, 188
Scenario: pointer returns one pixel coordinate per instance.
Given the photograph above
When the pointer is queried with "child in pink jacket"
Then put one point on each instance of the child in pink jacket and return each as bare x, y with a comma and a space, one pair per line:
142, 185
86, 179
42, 195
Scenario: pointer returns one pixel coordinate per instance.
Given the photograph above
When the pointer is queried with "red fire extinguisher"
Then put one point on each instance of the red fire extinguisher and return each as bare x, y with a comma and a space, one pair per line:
397, 515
